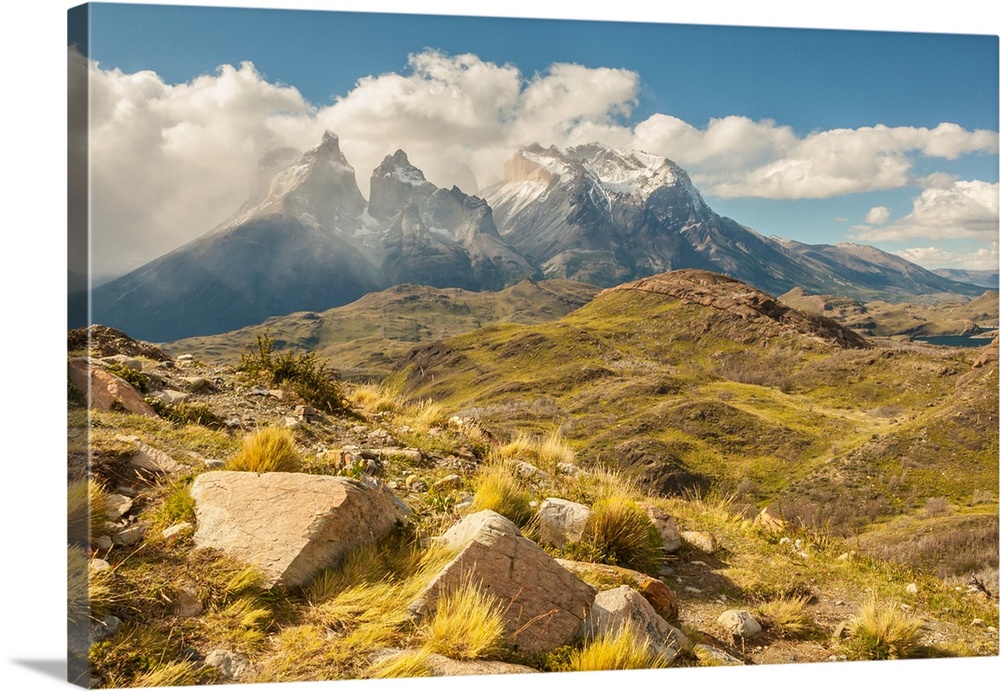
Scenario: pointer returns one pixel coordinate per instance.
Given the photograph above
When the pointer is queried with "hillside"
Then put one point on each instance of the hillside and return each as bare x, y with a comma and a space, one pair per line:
166, 481
367, 337
690, 380
880, 318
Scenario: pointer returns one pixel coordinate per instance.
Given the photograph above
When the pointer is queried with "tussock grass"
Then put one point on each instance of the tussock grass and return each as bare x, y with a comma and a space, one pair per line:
270, 450
86, 509
884, 632
240, 625
622, 534
788, 617
170, 674
498, 487
545, 452
623, 649
425, 414
373, 399
409, 663
467, 624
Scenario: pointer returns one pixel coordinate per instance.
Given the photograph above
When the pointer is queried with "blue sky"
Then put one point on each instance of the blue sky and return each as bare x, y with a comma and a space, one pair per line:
816, 135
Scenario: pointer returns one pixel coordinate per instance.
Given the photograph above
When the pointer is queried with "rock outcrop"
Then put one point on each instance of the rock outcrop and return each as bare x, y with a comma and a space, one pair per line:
543, 603
561, 522
290, 525
622, 606
106, 390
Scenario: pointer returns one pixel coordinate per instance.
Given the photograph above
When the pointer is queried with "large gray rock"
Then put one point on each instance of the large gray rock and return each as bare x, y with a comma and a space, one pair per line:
624, 606
561, 522
290, 525
105, 390
543, 603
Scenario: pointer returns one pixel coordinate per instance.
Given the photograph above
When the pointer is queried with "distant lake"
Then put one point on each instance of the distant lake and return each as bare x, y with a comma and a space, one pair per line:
954, 341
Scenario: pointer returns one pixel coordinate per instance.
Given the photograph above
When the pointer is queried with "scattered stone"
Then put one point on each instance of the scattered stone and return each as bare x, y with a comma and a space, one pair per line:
531, 472
418, 486
441, 666
187, 603
122, 360
700, 540
905, 607
105, 627
623, 606
544, 604
126, 491
293, 423
841, 630
103, 542
568, 469
107, 391
452, 481
260, 391
306, 412
101, 565
170, 396
154, 460
130, 536
739, 623
411, 480
770, 520
666, 526
712, 655
978, 622
562, 522
290, 525
692, 589
214, 464
465, 502
911, 588
991, 629
197, 384
186, 357
177, 529
230, 666
118, 506
698, 562
276, 393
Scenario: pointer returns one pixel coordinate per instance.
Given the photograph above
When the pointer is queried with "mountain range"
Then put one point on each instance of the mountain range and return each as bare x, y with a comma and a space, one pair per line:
308, 240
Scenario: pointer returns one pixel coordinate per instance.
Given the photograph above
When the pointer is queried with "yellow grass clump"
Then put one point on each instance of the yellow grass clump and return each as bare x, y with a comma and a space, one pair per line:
884, 632
623, 649
87, 510
270, 450
788, 616
467, 625
498, 487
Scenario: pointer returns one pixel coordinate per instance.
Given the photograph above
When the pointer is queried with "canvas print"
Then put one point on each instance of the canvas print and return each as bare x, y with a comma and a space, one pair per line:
417, 345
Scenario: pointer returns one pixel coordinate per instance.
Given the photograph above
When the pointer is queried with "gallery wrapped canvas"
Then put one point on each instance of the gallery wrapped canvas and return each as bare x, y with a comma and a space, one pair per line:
426, 345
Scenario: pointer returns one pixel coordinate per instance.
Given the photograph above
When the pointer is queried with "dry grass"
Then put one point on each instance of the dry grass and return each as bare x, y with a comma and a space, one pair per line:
372, 399
622, 534
624, 649
546, 452
467, 625
86, 510
788, 617
270, 450
426, 414
498, 487
171, 674
409, 663
884, 632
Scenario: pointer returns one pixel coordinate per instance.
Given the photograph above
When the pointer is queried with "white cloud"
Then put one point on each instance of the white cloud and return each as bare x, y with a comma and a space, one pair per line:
736, 157
983, 259
965, 209
877, 215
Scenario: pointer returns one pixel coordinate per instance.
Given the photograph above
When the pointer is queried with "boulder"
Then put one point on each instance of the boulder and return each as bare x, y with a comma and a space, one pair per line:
700, 540
118, 506
657, 593
170, 396
623, 606
229, 665
544, 604
107, 391
187, 602
711, 655
770, 520
153, 460
562, 522
290, 525
739, 623
666, 526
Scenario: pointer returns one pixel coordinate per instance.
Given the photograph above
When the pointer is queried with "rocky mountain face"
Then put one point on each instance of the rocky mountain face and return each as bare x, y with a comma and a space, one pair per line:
308, 240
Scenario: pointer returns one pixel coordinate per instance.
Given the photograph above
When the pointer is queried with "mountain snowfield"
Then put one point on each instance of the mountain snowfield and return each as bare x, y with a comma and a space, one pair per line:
307, 239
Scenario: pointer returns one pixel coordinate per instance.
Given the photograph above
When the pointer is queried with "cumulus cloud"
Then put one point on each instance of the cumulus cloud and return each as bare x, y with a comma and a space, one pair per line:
877, 215
982, 259
964, 209
737, 157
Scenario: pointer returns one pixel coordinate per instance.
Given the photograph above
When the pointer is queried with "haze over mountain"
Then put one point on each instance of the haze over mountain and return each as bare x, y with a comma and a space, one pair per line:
307, 240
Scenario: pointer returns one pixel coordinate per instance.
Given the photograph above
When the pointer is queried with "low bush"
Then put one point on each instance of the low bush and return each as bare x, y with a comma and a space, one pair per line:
884, 632
622, 534
624, 649
467, 625
498, 487
272, 449
308, 376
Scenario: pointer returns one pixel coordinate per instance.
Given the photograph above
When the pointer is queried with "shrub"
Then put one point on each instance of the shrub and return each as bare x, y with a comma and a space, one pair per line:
498, 487
269, 450
139, 381
467, 625
624, 649
788, 616
622, 534
304, 373
87, 509
884, 632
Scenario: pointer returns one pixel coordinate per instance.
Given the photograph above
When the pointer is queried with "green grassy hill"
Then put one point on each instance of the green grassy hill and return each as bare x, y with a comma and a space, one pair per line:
366, 337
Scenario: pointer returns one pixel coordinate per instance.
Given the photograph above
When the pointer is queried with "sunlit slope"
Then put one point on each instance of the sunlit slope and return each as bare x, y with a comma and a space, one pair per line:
692, 380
